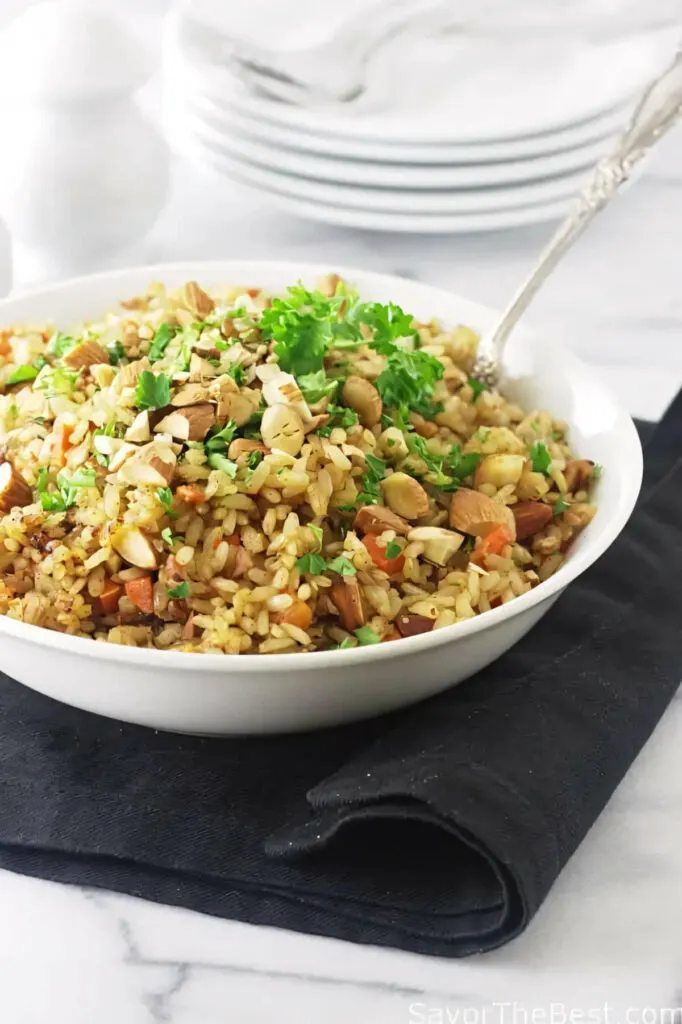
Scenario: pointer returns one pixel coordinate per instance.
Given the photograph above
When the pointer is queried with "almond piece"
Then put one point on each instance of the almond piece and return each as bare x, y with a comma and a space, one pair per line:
531, 517
377, 518
196, 300
191, 423
348, 601
404, 495
412, 625
190, 394
88, 353
128, 375
14, 491
200, 369
327, 284
439, 544
138, 431
315, 423
234, 404
242, 446
281, 427
578, 474
364, 399
476, 514
425, 428
134, 547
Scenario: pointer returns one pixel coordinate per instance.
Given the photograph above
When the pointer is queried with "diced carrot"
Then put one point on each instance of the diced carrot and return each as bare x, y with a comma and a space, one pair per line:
234, 539
253, 292
191, 493
63, 443
5, 347
107, 602
140, 592
298, 614
497, 540
378, 555
393, 635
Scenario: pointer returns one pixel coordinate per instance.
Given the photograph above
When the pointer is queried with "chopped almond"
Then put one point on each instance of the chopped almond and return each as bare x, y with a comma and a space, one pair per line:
188, 629
243, 445
315, 422
425, 428
347, 599
14, 491
476, 514
233, 404
578, 474
128, 375
200, 369
531, 517
196, 300
190, 394
191, 423
134, 547
88, 353
412, 625
377, 518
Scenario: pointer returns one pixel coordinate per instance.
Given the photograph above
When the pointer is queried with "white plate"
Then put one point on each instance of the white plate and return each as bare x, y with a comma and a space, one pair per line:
426, 154
405, 223
248, 694
435, 202
464, 102
224, 133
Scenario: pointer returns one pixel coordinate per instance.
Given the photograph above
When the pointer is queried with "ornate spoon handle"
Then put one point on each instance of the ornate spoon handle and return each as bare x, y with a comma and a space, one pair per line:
659, 110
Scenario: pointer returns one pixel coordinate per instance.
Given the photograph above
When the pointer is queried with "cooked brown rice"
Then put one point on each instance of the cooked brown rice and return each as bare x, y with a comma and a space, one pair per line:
218, 471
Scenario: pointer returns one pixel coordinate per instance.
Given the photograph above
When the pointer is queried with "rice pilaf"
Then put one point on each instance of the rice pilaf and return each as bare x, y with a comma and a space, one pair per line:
231, 472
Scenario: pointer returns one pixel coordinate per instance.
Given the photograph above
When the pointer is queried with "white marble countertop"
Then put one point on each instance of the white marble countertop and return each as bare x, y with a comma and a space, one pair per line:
608, 940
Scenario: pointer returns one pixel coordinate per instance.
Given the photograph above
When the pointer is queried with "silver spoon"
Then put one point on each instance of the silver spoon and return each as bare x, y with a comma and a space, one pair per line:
659, 110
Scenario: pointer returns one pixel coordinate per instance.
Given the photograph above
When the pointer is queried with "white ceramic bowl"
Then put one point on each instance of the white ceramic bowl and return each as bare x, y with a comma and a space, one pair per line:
249, 694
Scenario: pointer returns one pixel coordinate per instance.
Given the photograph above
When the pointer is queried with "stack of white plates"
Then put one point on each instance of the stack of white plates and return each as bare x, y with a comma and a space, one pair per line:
489, 145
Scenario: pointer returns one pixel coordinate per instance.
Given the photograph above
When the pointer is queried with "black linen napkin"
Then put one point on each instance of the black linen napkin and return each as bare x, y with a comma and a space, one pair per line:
439, 829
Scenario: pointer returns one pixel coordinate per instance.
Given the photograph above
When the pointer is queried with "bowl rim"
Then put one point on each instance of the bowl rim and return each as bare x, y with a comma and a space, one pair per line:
351, 657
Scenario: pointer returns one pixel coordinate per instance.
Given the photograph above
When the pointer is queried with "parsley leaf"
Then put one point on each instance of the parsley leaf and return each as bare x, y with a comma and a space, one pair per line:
409, 379
182, 590
253, 460
218, 461
461, 464
68, 489
342, 565
561, 506
219, 439
393, 549
345, 644
301, 327
388, 322
312, 563
161, 341
314, 386
597, 473
152, 392
540, 457
60, 344
165, 496
339, 416
167, 535
371, 492
237, 373
477, 386
116, 353
22, 373
366, 635
55, 381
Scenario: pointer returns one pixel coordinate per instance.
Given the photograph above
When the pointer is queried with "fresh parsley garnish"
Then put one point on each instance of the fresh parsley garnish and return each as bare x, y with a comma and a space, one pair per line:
253, 460
238, 374
160, 342
409, 378
371, 492
366, 635
60, 344
597, 472
152, 390
167, 535
218, 440
389, 323
116, 352
448, 470
339, 416
56, 381
393, 549
22, 374
313, 563
301, 326
561, 506
477, 386
342, 565
221, 462
68, 489
345, 644
314, 386
540, 457
182, 590
165, 496
461, 464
